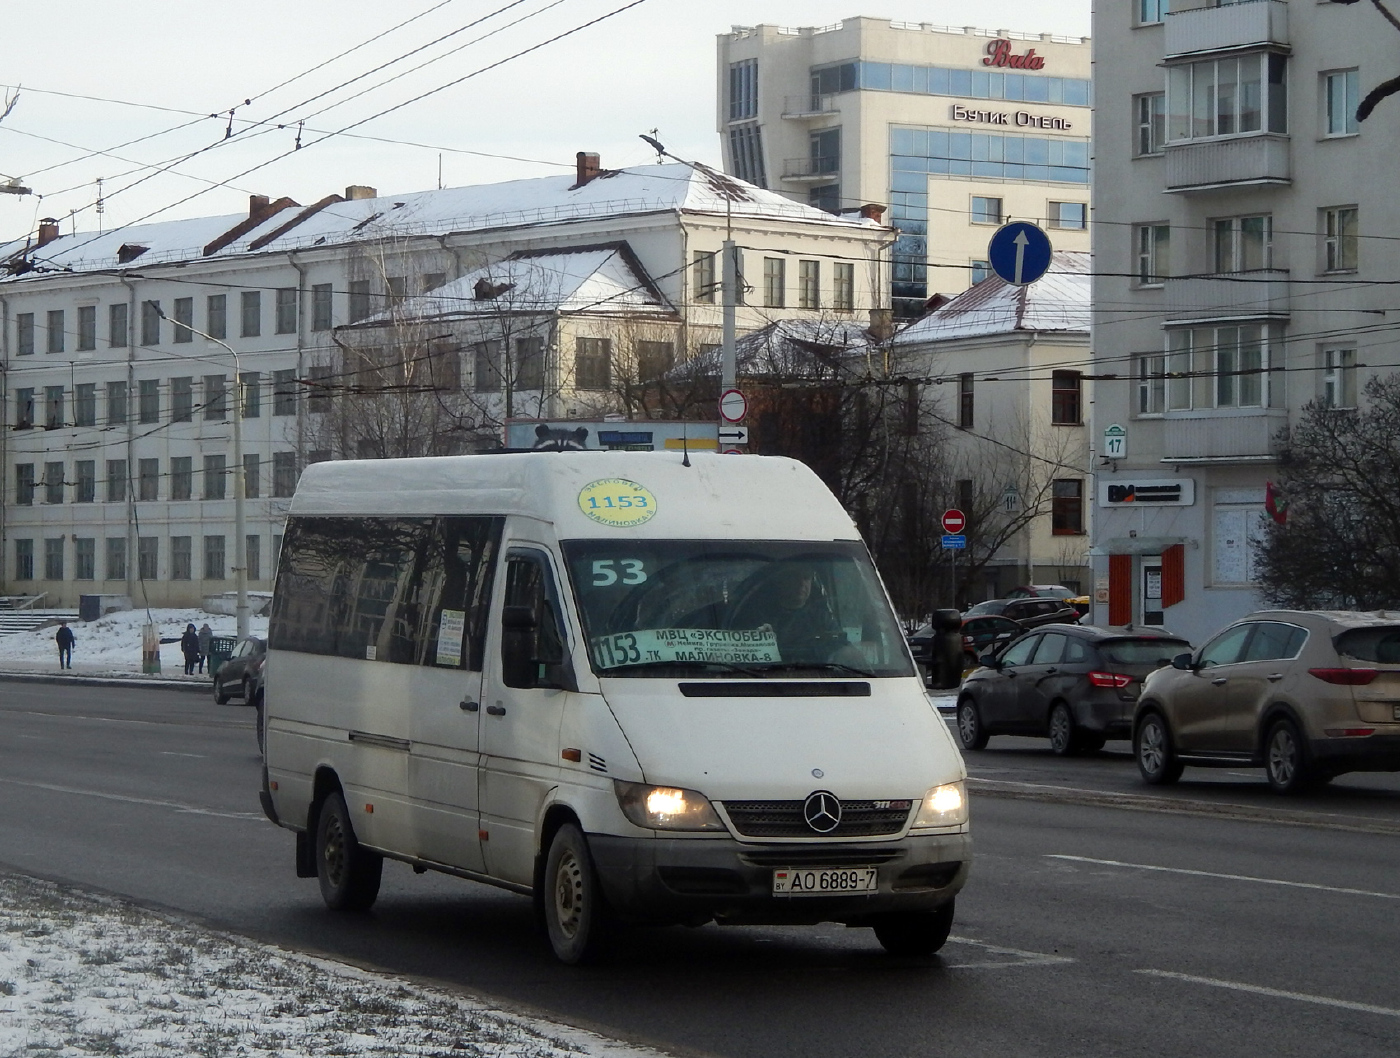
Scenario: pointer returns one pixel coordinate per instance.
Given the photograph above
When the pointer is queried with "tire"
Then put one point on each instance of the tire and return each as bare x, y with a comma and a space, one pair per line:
247, 692
971, 733
914, 933
220, 698
1064, 736
1285, 758
262, 730
575, 913
349, 875
1152, 747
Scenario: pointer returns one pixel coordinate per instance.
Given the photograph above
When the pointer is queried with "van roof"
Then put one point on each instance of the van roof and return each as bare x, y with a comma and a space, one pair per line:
716, 497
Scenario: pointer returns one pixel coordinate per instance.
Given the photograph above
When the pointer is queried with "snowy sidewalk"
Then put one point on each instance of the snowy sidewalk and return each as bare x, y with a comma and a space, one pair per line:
88, 975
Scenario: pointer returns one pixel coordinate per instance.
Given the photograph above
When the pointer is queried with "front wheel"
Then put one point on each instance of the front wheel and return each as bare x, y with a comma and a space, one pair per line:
349, 874
220, 697
1284, 762
914, 933
1152, 746
971, 733
575, 913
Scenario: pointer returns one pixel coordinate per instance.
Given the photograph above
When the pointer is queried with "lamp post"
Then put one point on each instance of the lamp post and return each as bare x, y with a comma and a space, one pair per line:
240, 539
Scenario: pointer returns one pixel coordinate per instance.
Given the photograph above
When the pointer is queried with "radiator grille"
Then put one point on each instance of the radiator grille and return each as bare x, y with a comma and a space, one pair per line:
784, 819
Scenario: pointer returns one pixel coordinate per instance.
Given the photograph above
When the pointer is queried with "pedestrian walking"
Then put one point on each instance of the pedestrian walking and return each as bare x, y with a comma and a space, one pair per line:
189, 646
206, 637
65, 639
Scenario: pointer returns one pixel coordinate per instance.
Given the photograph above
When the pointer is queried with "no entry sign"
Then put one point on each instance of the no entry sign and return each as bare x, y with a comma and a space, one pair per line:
954, 521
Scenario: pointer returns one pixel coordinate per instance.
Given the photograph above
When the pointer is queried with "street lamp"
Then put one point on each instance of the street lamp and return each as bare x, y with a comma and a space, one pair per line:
240, 540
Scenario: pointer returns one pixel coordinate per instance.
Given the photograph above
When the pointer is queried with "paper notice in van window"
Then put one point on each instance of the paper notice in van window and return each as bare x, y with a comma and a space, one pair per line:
451, 627
733, 646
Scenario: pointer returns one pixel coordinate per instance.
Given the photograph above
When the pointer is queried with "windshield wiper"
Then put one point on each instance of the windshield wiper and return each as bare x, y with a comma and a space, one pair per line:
704, 666
820, 666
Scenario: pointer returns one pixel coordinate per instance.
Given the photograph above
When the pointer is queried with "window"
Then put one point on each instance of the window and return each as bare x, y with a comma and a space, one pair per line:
284, 392
1065, 399
181, 477
809, 284
593, 363
486, 377
147, 557
743, 90
1341, 91
1339, 240
1150, 118
215, 397
55, 331
1238, 532
1152, 11
252, 475
774, 283
319, 390
965, 493
529, 363
180, 555
321, 307
250, 313
704, 276
24, 484
24, 408
53, 558
1067, 507
85, 404
843, 287
359, 299
116, 403
1243, 244
117, 326
1339, 378
150, 323
53, 408
148, 479
284, 473
252, 557
216, 315
184, 319
85, 558
24, 333
181, 399
87, 327
116, 558
286, 310
396, 289
654, 359
824, 151
85, 481
1151, 374
445, 366
1073, 215
24, 560
116, 480
1226, 97
1222, 367
213, 558
1154, 245
214, 478
966, 398
986, 210
825, 197
433, 280
251, 383
979, 270
148, 400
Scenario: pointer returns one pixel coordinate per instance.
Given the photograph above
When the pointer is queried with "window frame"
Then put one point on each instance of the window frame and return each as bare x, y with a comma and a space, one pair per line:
1056, 218
1350, 94
1341, 250
1150, 124
1067, 511
1067, 398
1199, 119
1337, 371
981, 215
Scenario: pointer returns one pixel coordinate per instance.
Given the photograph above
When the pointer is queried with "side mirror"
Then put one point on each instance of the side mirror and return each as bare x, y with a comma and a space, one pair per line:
1183, 662
522, 663
989, 660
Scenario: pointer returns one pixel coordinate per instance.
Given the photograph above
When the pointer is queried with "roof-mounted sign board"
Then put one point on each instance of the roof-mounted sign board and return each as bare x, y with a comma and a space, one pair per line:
1122, 491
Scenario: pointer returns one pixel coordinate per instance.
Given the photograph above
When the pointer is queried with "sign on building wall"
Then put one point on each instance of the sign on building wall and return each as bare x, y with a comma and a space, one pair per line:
1115, 491
596, 435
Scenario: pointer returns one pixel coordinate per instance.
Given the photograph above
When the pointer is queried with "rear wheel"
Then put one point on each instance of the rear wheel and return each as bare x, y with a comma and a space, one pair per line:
349, 875
1156, 757
575, 913
1284, 763
914, 933
971, 733
1064, 738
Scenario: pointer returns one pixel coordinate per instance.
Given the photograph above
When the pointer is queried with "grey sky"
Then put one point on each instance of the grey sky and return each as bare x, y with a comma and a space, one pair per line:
650, 67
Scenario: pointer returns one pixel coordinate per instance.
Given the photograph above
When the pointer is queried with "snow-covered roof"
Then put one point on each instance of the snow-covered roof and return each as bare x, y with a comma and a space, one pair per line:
513, 203
787, 348
602, 279
1057, 302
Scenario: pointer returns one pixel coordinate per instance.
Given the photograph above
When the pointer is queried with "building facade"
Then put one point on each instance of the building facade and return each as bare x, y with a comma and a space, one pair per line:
1243, 225
117, 442
958, 130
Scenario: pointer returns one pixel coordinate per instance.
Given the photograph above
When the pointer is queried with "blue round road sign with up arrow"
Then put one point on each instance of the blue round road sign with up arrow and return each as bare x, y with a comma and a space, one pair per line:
1019, 253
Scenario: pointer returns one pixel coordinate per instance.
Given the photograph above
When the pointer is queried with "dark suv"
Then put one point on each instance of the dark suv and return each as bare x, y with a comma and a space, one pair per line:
1031, 613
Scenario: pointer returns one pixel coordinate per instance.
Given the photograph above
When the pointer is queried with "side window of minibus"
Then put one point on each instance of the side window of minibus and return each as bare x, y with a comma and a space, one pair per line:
531, 610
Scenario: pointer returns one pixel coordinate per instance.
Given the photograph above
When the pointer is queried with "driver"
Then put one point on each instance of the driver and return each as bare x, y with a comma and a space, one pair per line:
795, 607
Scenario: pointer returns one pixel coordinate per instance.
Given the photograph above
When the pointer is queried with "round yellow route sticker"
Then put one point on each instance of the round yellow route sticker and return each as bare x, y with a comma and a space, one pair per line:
617, 502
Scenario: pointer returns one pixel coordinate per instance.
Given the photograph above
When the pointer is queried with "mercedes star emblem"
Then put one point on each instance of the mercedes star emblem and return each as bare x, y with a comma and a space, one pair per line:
822, 811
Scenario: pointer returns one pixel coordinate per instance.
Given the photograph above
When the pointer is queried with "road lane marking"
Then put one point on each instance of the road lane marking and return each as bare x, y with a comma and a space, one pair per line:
1226, 877
173, 753
1277, 993
1028, 958
191, 809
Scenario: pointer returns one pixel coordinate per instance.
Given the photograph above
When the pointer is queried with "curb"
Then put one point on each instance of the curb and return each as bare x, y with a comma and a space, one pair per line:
109, 681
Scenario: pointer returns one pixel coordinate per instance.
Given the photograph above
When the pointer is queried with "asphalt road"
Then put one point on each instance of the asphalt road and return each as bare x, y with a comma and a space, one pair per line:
1085, 930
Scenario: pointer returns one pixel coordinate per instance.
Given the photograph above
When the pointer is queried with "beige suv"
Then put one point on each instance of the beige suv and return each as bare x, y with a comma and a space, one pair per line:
1306, 695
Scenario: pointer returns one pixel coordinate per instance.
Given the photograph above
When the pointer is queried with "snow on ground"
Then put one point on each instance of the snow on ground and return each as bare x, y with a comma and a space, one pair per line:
111, 645
86, 975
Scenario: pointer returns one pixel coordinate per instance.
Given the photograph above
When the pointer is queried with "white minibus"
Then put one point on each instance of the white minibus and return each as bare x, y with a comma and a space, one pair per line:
642, 687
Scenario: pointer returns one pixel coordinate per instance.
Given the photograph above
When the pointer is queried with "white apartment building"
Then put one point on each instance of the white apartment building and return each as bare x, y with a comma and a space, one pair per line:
116, 452
957, 129
1242, 220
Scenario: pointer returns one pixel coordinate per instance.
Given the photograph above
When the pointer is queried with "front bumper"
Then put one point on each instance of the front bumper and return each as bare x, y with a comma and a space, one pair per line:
699, 879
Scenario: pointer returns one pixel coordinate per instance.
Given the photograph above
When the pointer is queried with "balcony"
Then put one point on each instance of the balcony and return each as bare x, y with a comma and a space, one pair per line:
1213, 165
798, 108
814, 170
1243, 436
1231, 27
1257, 295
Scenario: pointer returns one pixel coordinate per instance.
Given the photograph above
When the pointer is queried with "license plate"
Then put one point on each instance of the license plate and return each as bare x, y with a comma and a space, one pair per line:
823, 881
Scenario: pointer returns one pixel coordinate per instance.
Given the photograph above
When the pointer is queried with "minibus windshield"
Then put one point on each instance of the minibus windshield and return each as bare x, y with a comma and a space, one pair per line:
725, 608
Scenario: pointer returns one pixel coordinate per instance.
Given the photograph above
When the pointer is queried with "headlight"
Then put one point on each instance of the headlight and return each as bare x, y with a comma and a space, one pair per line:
665, 807
943, 806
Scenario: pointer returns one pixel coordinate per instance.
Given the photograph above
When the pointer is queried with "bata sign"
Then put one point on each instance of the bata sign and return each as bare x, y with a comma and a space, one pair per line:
1023, 118
999, 54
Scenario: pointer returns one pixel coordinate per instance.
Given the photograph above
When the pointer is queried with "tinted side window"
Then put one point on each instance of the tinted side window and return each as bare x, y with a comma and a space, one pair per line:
1380, 645
1051, 650
1077, 652
1225, 648
1274, 641
530, 584
1019, 652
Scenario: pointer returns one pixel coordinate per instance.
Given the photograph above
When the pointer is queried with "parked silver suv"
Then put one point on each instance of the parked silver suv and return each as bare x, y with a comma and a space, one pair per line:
1306, 695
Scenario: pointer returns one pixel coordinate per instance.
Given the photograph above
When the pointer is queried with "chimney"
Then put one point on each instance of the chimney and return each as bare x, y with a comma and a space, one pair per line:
588, 166
48, 231
356, 191
257, 205
872, 211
